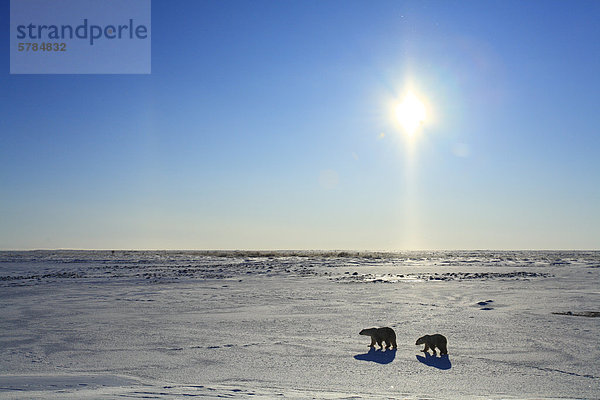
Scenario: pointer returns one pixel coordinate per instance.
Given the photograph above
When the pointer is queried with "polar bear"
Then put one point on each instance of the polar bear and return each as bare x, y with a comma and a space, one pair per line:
380, 335
433, 341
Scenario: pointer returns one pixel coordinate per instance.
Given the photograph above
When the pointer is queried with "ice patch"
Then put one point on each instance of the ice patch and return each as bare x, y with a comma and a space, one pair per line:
27, 383
448, 276
589, 314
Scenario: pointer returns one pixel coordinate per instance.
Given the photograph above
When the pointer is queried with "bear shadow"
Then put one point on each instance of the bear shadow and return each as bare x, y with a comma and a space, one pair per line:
378, 355
441, 362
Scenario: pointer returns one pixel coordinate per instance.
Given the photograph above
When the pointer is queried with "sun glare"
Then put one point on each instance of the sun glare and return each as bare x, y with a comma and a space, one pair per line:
410, 113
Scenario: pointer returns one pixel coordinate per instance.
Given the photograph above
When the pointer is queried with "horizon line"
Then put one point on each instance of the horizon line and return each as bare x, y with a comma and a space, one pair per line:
265, 250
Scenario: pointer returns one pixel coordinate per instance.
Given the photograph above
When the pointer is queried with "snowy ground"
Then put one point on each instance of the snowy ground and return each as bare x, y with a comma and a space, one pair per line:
77, 325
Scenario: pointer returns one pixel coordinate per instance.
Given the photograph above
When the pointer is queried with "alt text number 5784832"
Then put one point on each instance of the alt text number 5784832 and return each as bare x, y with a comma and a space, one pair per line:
42, 46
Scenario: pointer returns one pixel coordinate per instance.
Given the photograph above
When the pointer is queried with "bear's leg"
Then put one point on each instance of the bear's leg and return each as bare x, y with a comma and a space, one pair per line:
380, 343
372, 342
443, 349
426, 348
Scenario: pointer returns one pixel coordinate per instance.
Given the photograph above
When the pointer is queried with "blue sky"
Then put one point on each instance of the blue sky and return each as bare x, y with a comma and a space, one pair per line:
267, 125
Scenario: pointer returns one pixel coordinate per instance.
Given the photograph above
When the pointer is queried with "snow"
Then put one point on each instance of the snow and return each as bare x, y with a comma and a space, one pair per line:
76, 325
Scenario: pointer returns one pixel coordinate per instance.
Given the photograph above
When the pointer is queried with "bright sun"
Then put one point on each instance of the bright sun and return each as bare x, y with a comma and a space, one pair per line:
410, 113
